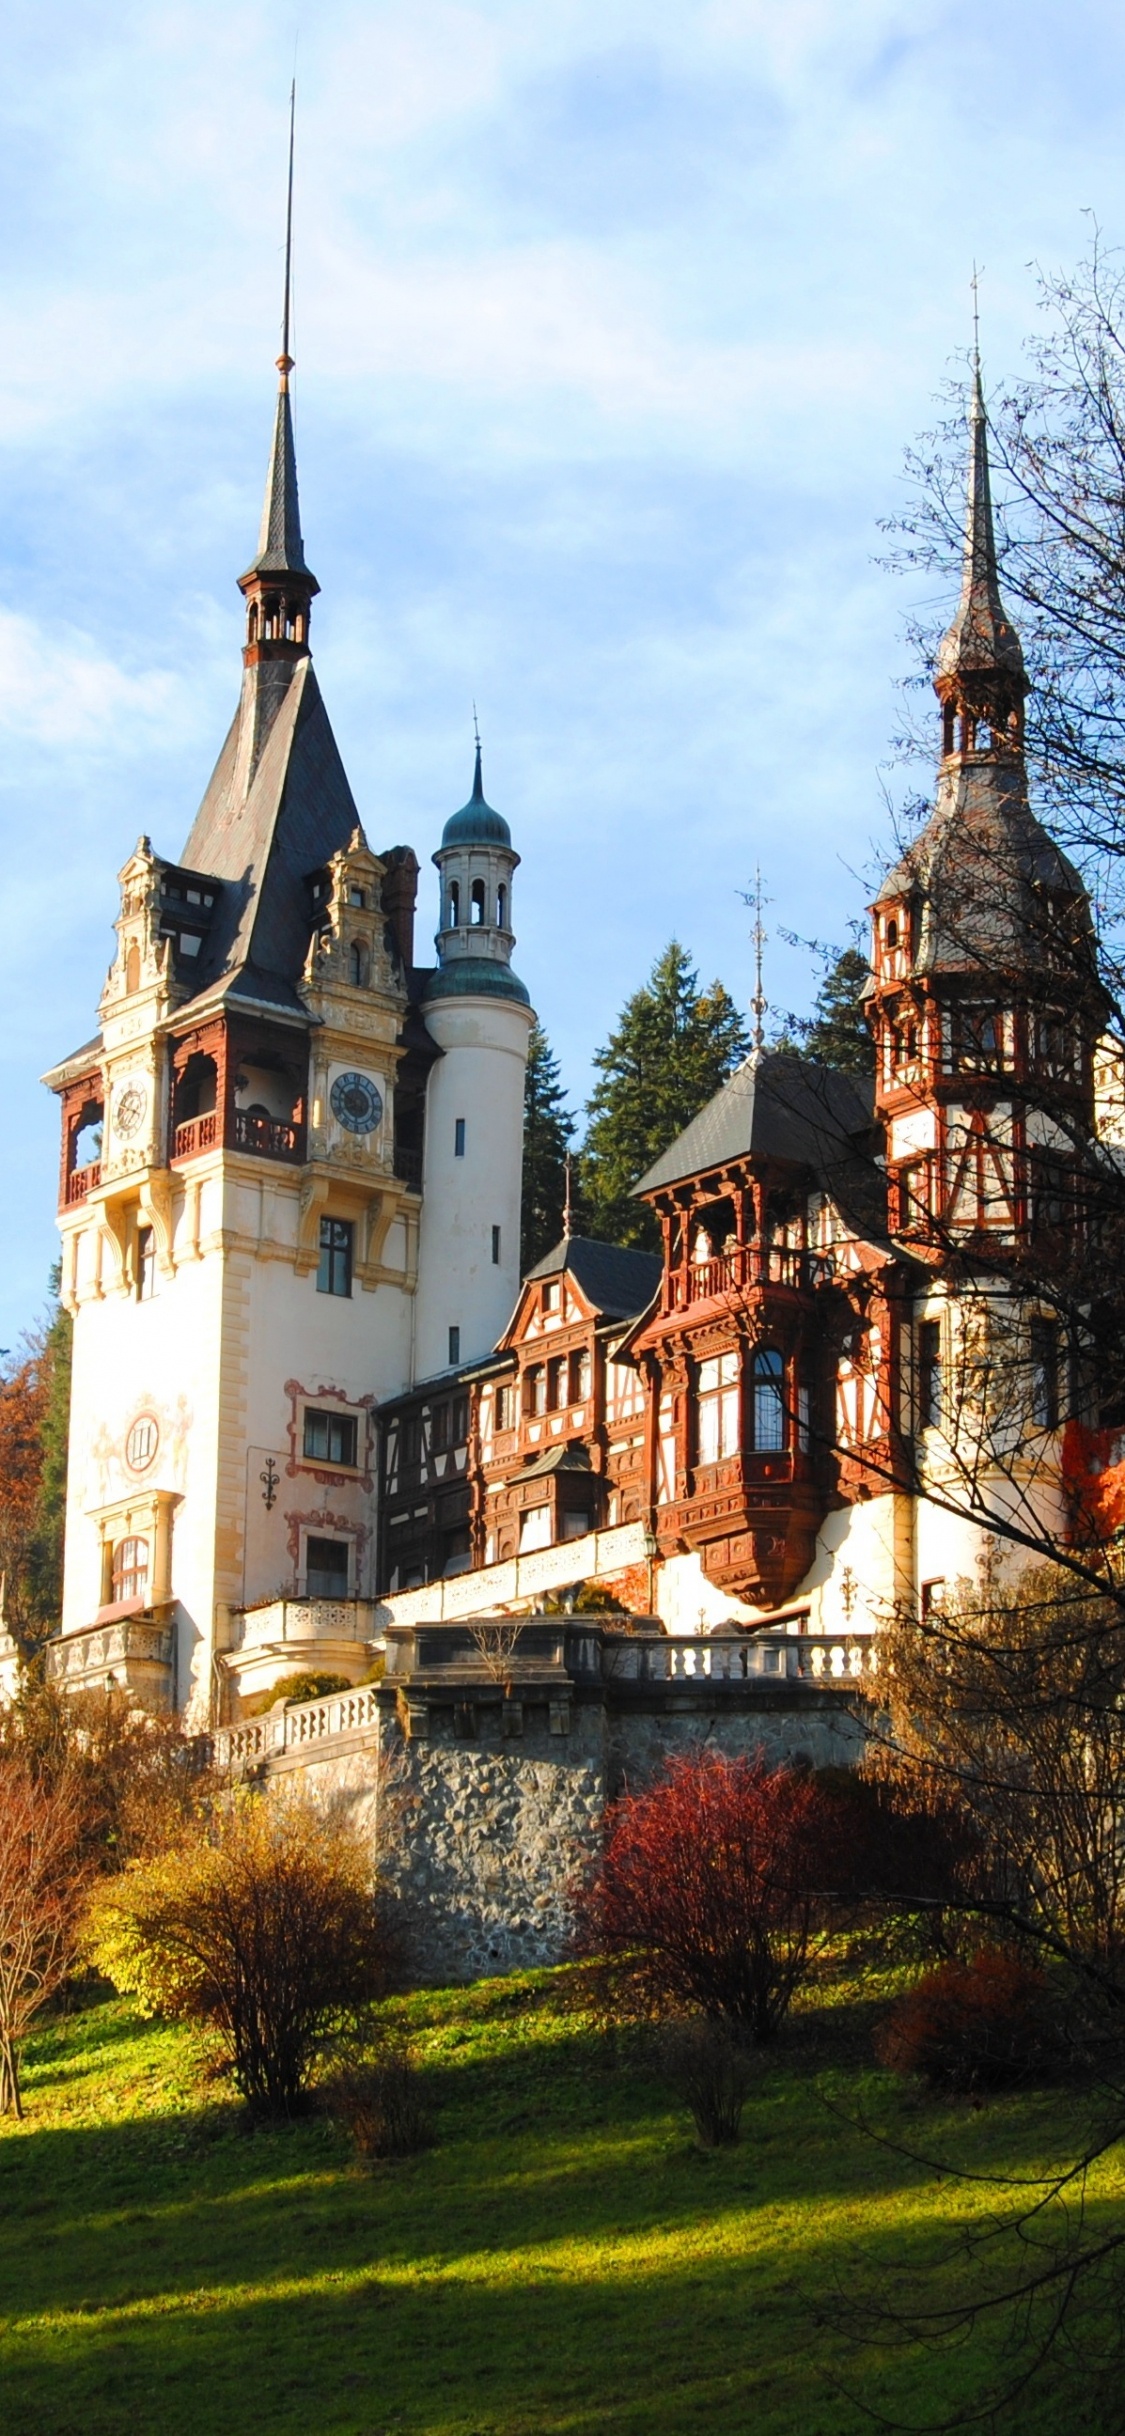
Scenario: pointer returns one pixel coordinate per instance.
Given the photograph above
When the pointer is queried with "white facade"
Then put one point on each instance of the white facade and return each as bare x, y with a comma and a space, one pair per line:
469, 1253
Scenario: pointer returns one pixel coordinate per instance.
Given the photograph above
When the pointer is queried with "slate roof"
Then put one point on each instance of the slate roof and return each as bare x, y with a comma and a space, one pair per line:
617, 1282
281, 550
981, 868
774, 1107
264, 844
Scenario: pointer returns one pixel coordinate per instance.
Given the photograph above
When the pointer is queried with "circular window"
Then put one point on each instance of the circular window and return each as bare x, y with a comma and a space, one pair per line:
142, 1442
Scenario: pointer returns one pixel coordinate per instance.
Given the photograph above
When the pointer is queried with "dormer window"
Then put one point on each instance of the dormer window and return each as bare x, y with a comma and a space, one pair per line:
550, 1296
892, 933
356, 896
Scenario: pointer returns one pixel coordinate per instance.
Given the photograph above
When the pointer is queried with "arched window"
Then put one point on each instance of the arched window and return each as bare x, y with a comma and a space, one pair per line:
252, 623
501, 907
357, 963
478, 901
892, 932
768, 1401
130, 1569
132, 967
454, 904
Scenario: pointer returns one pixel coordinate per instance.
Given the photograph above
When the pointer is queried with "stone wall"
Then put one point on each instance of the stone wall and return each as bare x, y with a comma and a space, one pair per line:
482, 1822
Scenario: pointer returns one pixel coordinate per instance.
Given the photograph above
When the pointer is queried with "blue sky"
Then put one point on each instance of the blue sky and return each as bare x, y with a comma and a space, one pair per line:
612, 323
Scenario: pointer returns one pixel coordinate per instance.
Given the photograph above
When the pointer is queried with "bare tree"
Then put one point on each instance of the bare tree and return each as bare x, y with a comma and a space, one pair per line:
496, 1641
42, 1878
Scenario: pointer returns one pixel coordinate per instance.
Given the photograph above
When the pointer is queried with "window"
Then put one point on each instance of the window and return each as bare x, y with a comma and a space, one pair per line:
929, 1374
142, 1442
334, 1275
130, 1569
1044, 1371
459, 1137
550, 1297
439, 1429
768, 1401
535, 1528
357, 964
717, 1426
496, 1247
411, 1441
330, 1437
326, 1568
579, 1376
575, 1525
892, 933
1055, 1044
556, 1382
454, 1346
459, 1421
501, 907
132, 967
535, 1389
356, 897
146, 1264
505, 1414
478, 900
454, 904
979, 1035
933, 1598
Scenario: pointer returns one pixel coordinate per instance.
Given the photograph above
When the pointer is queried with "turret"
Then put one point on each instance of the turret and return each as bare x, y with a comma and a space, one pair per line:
477, 1011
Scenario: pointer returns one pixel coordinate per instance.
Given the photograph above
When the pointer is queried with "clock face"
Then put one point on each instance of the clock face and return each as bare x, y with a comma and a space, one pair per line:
129, 1109
356, 1103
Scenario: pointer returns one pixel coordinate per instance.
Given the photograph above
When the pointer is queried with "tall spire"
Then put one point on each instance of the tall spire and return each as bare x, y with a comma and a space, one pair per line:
980, 672
278, 611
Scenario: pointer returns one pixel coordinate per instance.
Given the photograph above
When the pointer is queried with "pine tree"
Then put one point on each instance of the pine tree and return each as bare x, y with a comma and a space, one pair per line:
673, 1047
548, 1128
838, 1035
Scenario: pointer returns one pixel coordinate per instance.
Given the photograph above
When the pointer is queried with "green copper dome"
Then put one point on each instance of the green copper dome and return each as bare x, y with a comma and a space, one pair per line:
475, 977
476, 824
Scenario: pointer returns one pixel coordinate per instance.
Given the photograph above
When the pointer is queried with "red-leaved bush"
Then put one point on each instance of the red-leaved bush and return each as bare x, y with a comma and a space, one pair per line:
969, 2026
707, 1892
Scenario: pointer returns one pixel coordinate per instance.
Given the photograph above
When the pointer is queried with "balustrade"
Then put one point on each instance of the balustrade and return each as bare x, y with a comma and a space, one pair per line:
83, 1180
746, 1264
199, 1133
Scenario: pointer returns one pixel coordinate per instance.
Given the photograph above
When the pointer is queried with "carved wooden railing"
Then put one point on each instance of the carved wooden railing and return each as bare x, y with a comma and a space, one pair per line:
83, 1180
747, 1264
266, 1137
198, 1133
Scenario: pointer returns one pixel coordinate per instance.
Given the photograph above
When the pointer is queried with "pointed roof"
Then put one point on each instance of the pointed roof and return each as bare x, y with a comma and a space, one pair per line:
981, 636
281, 550
264, 841
775, 1106
616, 1282
476, 824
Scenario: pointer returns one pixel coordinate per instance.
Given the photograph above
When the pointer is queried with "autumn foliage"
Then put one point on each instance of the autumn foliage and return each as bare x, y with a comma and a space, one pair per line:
43, 1873
261, 1925
708, 1892
971, 2026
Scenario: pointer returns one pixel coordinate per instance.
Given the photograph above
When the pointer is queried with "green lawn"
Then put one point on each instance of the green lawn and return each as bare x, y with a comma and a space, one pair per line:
563, 2260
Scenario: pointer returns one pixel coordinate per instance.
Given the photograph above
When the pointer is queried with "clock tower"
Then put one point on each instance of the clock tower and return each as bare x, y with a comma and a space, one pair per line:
249, 1161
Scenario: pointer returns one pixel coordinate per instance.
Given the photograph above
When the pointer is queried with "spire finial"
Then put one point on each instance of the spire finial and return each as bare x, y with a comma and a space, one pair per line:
974, 283
759, 1003
285, 360
478, 777
980, 670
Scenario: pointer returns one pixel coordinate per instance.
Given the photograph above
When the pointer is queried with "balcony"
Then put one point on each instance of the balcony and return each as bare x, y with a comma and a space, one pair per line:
266, 1137
408, 1166
200, 1133
750, 1264
82, 1180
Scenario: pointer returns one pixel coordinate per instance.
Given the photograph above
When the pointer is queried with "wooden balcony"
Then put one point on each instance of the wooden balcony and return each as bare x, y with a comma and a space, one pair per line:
748, 1265
266, 1137
82, 1180
199, 1133
408, 1166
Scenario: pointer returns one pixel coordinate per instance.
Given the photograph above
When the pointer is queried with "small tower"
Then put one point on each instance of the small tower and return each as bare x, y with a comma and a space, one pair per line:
477, 1012
984, 997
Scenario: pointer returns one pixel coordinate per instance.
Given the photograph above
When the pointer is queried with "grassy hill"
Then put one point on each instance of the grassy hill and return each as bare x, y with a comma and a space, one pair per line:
563, 2262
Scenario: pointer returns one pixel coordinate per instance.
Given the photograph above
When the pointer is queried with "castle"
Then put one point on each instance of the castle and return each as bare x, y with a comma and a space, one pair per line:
313, 1399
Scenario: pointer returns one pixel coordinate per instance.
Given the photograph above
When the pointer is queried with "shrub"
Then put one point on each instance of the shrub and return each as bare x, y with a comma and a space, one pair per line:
971, 2026
702, 2063
706, 1895
263, 1925
301, 1686
375, 2093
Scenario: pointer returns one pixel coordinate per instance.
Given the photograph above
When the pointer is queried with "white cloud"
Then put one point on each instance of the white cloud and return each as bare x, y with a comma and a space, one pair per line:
57, 690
